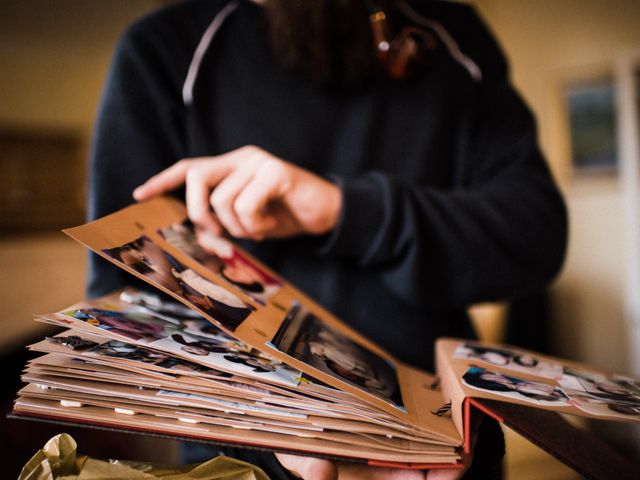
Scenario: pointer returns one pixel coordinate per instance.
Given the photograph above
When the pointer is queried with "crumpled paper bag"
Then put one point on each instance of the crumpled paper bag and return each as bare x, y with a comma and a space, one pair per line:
58, 460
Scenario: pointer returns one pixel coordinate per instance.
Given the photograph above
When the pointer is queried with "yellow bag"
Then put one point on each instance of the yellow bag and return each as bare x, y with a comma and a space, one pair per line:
58, 460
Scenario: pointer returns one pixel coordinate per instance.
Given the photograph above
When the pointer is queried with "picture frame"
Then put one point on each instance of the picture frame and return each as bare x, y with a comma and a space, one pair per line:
590, 106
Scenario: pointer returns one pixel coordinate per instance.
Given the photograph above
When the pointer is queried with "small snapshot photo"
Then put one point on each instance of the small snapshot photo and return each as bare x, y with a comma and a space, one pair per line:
598, 387
606, 407
306, 337
159, 306
510, 359
220, 256
502, 385
136, 326
116, 349
224, 353
160, 268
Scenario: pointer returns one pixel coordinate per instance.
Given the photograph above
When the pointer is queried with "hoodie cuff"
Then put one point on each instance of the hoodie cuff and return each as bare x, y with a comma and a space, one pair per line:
359, 222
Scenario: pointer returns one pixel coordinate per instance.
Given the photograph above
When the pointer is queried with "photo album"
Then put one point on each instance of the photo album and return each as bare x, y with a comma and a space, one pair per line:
234, 354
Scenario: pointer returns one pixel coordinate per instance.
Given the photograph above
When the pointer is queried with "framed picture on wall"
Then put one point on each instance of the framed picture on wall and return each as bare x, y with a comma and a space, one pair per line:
591, 109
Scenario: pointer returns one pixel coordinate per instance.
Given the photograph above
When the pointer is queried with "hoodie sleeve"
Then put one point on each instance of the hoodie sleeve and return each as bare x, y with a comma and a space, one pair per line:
499, 233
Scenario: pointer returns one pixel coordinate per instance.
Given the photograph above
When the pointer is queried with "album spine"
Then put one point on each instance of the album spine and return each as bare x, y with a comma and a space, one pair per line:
451, 388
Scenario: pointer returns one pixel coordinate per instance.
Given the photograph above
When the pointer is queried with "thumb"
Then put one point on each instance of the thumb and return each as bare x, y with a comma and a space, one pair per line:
309, 468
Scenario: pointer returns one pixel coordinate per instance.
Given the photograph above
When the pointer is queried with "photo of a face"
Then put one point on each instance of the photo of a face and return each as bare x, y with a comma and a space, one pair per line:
222, 258
204, 330
122, 350
158, 306
306, 337
600, 406
222, 353
630, 383
601, 387
515, 360
160, 268
533, 392
132, 325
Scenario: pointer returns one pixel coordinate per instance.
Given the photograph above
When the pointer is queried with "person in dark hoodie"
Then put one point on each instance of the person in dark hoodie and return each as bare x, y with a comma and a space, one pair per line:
373, 153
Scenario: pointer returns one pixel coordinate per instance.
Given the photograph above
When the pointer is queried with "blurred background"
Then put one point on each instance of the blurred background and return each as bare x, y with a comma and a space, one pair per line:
577, 64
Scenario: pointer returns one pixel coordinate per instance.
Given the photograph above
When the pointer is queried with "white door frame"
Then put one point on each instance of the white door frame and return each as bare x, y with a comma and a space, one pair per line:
628, 113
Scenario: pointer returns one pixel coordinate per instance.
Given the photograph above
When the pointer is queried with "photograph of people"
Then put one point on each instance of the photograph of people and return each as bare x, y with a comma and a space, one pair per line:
222, 355
146, 258
226, 307
238, 269
149, 260
534, 392
156, 305
117, 349
127, 351
219, 256
135, 326
625, 410
198, 347
74, 342
597, 405
395, 194
346, 364
206, 330
515, 360
600, 386
309, 339
631, 384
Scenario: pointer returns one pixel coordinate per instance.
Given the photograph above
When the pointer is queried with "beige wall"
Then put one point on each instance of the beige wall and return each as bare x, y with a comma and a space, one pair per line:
55, 55
53, 59
553, 43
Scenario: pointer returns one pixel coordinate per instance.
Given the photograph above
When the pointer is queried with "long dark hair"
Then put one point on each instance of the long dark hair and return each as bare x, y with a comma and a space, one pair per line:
328, 42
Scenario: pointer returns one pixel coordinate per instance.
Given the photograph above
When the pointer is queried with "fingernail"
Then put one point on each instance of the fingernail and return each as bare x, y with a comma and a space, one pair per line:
138, 193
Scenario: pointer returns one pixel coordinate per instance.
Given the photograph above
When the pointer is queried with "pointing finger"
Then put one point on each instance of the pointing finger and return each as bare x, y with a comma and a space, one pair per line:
199, 180
165, 181
223, 199
251, 206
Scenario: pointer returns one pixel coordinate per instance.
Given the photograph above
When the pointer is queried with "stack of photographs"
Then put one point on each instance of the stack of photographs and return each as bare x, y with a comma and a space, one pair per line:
224, 350
526, 378
133, 359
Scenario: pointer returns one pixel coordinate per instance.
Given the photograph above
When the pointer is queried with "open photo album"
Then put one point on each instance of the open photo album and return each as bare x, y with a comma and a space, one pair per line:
234, 354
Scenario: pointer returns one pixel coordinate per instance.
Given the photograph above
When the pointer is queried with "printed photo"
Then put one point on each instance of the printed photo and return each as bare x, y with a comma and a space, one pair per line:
160, 268
197, 340
306, 337
74, 342
226, 354
631, 384
599, 386
221, 257
515, 360
603, 407
512, 387
121, 350
136, 326
158, 306
205, 330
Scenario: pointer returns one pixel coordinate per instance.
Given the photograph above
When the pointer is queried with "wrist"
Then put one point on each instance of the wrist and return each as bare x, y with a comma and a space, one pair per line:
332, 209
